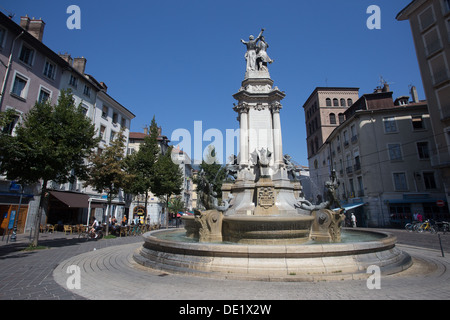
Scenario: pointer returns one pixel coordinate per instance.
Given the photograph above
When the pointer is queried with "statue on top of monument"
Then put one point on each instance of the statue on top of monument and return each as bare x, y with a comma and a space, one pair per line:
262, 58
251, 54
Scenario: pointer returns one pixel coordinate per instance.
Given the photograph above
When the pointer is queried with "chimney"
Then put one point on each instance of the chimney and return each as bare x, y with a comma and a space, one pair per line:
34, 26
104, 86
66, 57
145, 130
79, 64
386, 88
414, 95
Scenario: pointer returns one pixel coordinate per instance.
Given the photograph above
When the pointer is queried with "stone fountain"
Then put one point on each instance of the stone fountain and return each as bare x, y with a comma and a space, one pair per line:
265, 228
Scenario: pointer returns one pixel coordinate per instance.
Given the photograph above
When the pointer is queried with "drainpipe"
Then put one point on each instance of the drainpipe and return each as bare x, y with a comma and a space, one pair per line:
8, 68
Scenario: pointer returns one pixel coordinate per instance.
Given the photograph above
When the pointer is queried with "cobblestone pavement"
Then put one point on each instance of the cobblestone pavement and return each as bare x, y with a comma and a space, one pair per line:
109, 272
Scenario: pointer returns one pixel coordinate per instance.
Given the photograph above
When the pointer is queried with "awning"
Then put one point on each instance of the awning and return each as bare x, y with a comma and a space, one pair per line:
350, 206
71, 199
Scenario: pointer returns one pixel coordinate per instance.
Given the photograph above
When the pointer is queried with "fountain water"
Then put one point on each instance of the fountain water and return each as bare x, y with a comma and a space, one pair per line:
265, 228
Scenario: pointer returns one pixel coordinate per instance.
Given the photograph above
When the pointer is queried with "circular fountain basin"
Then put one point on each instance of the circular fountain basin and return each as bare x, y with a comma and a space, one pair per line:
171, 251
267, 229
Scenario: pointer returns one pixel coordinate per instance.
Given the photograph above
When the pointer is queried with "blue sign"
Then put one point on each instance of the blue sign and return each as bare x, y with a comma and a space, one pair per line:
11, 220
14, 186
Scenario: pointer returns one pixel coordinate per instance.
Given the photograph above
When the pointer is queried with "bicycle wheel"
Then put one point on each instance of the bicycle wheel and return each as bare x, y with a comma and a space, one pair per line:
84, 235
408, 227
433, 229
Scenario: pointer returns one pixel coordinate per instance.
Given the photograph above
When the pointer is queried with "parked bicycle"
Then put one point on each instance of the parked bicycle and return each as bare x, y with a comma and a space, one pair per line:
442, 226
90, 234
412, 226
427, 226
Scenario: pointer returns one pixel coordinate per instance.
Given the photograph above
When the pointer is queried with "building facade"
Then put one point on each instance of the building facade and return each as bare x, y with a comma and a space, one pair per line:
381, 155
324, 111
31, 72
430, 26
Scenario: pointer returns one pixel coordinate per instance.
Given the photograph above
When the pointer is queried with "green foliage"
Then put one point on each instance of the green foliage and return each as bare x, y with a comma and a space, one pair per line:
50, 144
214, 174
168, 178
106, 171
176, 205
141, 165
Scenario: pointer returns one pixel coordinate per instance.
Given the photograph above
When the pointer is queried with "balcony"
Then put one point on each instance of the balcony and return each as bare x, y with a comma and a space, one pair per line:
357, 167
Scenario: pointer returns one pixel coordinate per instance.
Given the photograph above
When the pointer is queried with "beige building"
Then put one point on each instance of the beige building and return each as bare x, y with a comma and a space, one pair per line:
154, 205
381, 156
430, 26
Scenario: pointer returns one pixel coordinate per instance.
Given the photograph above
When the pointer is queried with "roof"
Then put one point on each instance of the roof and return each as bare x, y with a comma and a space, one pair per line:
317, 89
404, 14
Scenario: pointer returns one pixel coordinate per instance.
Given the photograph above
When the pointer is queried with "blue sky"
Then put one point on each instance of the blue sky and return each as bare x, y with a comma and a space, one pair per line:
182, 60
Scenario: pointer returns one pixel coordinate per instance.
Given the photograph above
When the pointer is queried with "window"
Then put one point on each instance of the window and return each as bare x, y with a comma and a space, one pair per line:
44, 95
9, 128
417, 123
446, 6
87, 91
341, 118
426, 18
112, 136
20, 86
328, 102
429, 181
102, 132
360, 187
390, 125
2, 37
335, 102
332, 118
395, 152
50, 70
343, 103
73, 81
438, 69
84, 109
349, 102
123, 123
423, 151
104, 112
432, 41
115, 118
26, 55
400, 181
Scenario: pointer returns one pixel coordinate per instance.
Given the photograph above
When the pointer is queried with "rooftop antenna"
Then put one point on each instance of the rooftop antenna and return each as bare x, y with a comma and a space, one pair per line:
10, 14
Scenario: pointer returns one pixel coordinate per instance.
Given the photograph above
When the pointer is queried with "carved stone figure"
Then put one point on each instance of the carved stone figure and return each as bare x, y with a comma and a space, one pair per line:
262, 58
250, 55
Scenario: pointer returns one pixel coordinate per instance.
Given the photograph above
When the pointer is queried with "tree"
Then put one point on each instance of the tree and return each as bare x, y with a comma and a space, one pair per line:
168, 179
210, 179
106, 171
141, 165
51, 144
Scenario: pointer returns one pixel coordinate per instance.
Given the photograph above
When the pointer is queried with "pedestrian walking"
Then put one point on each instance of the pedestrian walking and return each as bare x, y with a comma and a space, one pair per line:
353, 220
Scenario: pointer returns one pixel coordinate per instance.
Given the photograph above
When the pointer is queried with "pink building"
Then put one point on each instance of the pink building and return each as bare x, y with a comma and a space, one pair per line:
33, 71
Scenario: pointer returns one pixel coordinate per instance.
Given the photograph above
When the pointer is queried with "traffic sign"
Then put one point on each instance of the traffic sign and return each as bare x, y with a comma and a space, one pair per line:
440, 203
